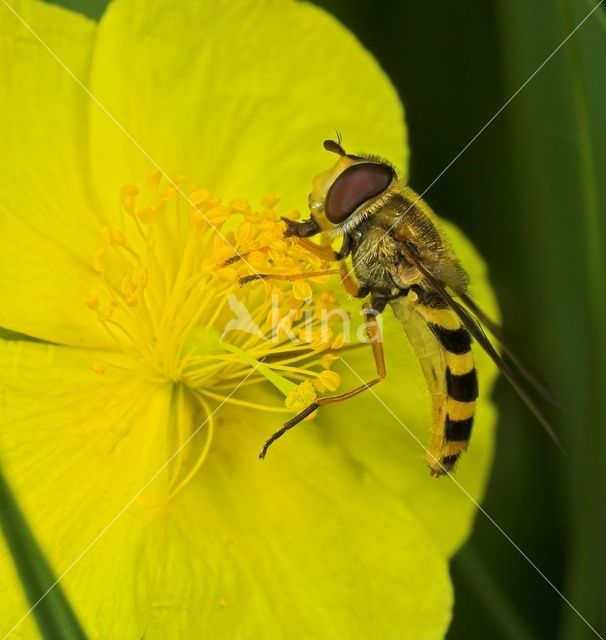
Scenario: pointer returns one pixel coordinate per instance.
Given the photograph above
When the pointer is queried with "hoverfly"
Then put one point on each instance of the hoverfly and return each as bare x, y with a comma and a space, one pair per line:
400, 259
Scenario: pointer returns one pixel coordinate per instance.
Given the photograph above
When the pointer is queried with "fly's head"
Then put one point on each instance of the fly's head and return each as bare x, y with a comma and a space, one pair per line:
342, 196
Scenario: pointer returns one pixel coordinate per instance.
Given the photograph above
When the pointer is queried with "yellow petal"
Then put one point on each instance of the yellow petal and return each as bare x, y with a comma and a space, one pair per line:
48, 220
303, 545
240, 92
303, 541
77, 446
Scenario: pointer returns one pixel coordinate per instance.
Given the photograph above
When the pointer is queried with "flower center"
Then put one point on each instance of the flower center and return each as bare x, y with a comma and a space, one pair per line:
170, 297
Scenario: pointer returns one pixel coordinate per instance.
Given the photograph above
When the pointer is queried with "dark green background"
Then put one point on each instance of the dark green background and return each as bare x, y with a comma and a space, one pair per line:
530, 192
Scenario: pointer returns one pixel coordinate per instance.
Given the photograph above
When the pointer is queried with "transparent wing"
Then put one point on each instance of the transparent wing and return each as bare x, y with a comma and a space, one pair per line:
531, 376
475, 329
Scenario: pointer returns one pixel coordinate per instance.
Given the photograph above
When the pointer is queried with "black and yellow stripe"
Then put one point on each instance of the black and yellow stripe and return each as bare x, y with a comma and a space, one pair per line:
455, 389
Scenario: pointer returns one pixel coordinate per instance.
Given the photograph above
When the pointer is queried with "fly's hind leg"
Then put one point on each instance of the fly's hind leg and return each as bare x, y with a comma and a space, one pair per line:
376, 341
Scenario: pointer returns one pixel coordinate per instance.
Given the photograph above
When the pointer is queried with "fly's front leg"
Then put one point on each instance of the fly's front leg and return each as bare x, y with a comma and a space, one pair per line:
288, 276
326, 253
374, 334
309, 228
294, 229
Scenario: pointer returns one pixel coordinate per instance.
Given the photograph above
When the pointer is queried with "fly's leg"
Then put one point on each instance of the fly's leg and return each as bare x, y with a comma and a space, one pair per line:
350, 285
324, 253
299, 232
374, 335
288, 276
244, 256
327, 254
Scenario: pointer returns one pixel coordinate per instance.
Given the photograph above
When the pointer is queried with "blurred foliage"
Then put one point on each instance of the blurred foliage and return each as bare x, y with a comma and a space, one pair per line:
91, 8
54, 615
530, 192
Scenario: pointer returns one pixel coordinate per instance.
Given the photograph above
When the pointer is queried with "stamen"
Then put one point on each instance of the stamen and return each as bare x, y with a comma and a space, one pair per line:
169, 297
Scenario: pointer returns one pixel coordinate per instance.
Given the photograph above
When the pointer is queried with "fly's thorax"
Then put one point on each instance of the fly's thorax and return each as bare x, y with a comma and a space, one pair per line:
412, 220
377, 257
380, 232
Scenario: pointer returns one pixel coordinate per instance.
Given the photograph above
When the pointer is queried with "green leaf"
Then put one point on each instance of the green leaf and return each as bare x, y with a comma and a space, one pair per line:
507, 619
585, 580
7, 334
91, 8
53, 612
561, 126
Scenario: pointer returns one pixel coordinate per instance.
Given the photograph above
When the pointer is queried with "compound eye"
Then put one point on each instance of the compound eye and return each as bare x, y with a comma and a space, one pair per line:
354, 187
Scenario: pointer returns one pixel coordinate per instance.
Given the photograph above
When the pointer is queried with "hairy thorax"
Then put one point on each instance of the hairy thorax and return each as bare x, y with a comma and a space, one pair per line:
377, 260
378, 249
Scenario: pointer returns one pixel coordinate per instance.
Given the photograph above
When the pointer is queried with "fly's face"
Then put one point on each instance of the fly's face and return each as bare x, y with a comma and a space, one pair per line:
347, 192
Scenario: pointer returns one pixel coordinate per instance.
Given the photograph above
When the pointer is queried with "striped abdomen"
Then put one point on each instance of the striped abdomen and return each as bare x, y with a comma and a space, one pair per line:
443, 347
454, 407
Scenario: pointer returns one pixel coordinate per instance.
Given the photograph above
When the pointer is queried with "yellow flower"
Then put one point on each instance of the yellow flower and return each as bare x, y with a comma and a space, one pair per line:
161, 529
